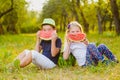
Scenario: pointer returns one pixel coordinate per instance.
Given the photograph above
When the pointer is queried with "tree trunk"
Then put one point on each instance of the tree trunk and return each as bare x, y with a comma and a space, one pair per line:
1, 29
4, 13
115, 12
64, 23
61, 22
99, 22
74, 11
110, 26
104, 26
93, 27
11, 28
8, 10
85, 23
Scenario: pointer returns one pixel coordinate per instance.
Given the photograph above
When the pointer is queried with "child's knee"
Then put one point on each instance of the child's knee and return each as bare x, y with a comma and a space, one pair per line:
26, 60
91, 46
102, 46
26, 51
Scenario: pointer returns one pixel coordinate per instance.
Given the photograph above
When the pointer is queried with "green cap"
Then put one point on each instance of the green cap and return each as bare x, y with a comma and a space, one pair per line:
49, 21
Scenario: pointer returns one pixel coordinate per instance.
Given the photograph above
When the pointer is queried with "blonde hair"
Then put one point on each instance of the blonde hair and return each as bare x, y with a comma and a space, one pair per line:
72, 24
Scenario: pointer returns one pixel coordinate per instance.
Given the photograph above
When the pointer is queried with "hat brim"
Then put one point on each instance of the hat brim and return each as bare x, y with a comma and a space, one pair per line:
48, 24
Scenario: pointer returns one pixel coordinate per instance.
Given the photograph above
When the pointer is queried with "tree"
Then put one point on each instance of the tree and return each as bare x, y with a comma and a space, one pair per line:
8, 10
10, 21
58, 10
93, 15
86, 24
4, 13
12, 17
116, 17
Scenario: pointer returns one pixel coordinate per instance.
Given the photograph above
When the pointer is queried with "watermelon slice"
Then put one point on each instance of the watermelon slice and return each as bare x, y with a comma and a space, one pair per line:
45, 35
77, 37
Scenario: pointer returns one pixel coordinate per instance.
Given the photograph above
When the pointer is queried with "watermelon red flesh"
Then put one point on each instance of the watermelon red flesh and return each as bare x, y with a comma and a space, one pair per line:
46, 35
77, 37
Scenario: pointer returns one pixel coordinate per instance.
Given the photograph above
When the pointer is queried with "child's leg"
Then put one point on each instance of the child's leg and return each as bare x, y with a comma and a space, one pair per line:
88, 57
93, 54
25, 58
21, 55
42, 61
104, 50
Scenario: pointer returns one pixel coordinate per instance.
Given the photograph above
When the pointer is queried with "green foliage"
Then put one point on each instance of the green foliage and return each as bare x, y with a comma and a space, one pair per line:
12, 45
10, 19
30, 24
17, 64
66, 63
19, 19
84, 11
29, 29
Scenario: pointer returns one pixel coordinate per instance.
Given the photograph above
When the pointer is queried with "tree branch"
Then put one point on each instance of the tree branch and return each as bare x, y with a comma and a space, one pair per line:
7, 11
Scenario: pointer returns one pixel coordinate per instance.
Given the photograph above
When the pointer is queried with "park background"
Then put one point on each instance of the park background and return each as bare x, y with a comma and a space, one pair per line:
18, 26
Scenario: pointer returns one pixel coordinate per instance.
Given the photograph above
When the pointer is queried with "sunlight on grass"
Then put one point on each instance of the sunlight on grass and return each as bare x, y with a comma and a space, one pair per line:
12, 45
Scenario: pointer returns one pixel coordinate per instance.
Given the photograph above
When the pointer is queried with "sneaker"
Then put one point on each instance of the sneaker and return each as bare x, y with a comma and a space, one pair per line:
115, 60
107, 62
83, 66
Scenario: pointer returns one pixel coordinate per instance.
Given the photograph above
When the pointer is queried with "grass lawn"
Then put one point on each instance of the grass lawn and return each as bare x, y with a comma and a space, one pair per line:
12, 45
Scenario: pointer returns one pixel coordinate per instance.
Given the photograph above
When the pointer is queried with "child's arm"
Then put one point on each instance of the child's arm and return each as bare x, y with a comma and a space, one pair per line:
37, 46
54, 49
66, 52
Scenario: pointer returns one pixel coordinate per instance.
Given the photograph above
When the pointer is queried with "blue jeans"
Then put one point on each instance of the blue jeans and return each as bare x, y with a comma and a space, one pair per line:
95, 54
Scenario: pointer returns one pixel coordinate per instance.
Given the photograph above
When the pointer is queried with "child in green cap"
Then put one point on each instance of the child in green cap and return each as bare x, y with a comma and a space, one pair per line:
50, 47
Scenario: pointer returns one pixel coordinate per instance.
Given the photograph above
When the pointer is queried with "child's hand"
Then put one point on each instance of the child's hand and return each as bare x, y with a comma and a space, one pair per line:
68, 41
86, 41
54, 36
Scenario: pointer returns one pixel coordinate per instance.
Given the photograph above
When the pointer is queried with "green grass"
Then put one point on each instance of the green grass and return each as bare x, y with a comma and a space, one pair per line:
12, 45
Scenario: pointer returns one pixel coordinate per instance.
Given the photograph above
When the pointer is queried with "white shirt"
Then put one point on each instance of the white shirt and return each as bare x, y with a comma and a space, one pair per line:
78, 49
